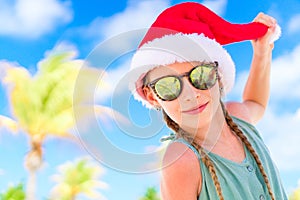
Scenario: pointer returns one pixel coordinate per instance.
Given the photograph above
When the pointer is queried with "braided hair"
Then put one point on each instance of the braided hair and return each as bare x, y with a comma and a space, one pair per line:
205, 158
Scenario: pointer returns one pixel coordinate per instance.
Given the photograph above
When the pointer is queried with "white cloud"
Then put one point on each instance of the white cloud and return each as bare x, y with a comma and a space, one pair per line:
281, 130
281, 133
137, 15
285, 78
218, 6
294, 24
31, 18
64, 46
111, 79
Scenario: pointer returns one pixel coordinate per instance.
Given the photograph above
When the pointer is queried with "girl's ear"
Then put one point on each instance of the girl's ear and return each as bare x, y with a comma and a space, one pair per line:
151, 97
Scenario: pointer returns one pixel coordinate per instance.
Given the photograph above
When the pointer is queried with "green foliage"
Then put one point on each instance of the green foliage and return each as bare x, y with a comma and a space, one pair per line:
14, 193
151, 194
295, 195
78, 177
42, 103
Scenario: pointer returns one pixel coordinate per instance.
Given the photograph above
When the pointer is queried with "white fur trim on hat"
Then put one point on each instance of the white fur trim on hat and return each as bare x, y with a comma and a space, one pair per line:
179, 48
276, 35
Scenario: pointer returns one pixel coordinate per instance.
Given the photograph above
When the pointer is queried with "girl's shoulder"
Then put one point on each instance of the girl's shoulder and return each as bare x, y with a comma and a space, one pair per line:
180, 153
180, 167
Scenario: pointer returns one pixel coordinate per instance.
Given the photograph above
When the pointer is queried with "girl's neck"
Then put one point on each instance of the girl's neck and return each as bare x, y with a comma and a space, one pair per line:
208, 135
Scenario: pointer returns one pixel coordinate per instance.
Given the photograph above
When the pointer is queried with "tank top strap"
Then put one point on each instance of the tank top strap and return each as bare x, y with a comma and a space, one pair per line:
183, 141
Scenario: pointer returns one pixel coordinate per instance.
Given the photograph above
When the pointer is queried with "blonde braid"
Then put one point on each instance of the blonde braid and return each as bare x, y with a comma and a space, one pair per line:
211, 168
206, 160
233, 126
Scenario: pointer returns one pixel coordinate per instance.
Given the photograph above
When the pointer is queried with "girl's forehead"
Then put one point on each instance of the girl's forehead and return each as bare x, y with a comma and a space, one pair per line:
172, 69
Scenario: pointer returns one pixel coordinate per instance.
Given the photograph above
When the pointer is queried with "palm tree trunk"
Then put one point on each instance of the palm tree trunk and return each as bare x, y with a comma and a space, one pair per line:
74, 193
73, 197
31, 186
33, 162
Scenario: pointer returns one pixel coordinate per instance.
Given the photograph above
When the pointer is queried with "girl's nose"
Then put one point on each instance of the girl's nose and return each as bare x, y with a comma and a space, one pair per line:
188, 91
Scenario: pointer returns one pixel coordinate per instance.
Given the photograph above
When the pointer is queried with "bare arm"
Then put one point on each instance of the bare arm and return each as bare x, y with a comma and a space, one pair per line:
181, 175
257, 89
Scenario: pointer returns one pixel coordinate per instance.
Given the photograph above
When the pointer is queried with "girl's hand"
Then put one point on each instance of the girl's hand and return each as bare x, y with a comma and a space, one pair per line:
262, 46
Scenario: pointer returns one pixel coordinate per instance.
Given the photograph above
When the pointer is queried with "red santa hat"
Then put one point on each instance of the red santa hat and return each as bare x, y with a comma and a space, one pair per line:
190, 32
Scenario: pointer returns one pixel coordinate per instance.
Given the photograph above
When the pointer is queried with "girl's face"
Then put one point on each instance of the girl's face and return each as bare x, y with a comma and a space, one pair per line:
193, 108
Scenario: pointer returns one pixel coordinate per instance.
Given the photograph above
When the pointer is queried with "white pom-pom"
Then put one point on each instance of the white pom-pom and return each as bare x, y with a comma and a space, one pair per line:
276, 35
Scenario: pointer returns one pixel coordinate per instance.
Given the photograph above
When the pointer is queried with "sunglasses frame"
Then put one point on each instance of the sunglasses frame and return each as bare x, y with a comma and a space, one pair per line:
214, 65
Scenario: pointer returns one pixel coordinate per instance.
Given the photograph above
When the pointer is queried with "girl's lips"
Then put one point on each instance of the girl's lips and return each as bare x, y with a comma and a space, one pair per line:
196, 110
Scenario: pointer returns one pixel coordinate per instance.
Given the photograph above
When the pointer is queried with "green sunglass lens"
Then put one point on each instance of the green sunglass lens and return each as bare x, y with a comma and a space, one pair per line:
168, 88
203, 77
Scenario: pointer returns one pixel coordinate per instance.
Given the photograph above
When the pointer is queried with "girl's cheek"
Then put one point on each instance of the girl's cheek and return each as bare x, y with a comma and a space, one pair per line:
173, 110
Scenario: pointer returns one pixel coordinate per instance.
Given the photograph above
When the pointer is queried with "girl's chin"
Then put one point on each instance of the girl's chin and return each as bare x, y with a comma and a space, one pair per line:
195, 122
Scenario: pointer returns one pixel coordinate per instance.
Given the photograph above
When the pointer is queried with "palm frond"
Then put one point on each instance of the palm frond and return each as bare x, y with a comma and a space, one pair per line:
78, 177
8, 123
14, 192
295, 195
151, 194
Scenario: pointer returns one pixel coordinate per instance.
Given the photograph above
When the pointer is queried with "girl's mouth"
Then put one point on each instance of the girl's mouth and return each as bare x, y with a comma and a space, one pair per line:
196, 110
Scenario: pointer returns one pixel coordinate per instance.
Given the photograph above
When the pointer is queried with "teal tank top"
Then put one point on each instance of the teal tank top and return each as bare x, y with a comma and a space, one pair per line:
241, 181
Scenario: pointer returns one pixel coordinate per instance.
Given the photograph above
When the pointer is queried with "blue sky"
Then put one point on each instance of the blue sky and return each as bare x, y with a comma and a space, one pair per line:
29, 29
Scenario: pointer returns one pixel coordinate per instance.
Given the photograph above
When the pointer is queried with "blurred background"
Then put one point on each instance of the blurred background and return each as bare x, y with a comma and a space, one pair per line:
52, 53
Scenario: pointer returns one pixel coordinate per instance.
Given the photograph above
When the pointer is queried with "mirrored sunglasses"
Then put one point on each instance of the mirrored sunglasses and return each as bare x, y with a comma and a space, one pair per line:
202, 77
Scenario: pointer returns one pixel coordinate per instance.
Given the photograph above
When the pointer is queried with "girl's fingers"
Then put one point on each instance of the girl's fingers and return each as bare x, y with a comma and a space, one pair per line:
265, 19
263, 44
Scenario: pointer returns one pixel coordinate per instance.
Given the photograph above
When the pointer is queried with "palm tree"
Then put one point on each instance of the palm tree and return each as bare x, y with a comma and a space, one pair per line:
151, 194
42, 105
14, 193
295, 194
6, 122
78, 177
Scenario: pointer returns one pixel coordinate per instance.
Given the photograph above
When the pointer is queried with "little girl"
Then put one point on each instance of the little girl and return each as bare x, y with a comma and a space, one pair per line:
182, 69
